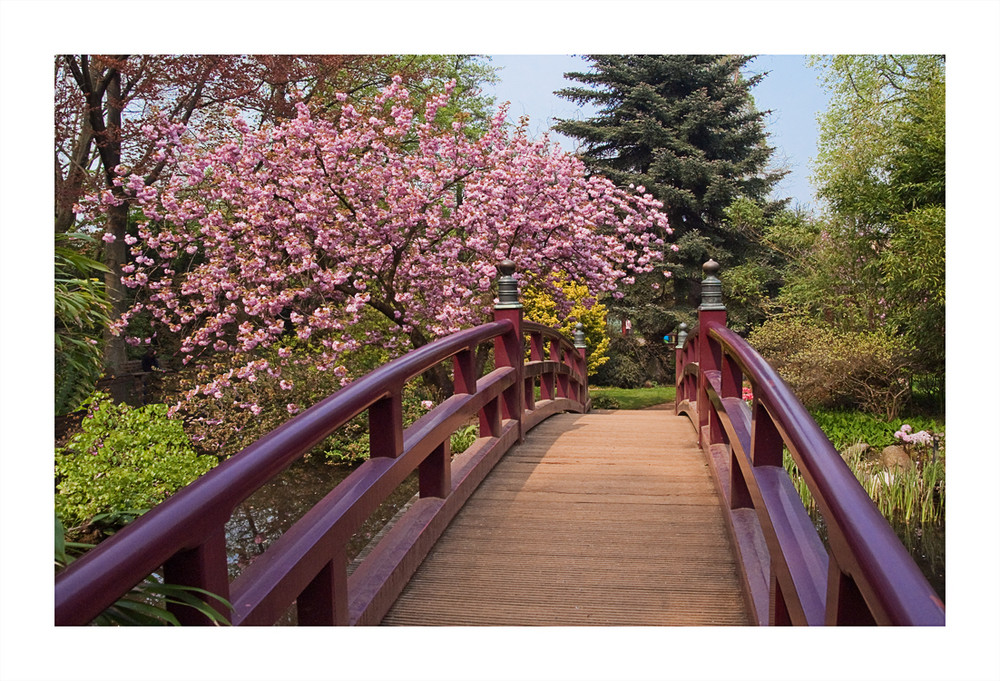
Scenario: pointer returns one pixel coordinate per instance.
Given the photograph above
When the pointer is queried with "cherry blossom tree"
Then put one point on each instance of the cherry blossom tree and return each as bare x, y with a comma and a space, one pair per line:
318, 225
103, 103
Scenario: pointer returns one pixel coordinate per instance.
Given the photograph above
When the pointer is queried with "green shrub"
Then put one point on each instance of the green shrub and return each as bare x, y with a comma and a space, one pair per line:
124, 461
826, 368
626, 366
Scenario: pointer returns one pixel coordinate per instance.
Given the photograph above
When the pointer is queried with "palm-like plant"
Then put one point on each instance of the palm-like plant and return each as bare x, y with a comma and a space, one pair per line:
81, 316
145, 604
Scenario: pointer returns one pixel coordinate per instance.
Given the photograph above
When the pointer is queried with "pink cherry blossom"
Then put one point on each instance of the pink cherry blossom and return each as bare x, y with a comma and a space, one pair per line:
322, 222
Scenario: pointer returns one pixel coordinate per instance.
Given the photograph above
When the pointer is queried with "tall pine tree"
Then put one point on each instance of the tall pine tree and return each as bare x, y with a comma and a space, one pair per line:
685, 127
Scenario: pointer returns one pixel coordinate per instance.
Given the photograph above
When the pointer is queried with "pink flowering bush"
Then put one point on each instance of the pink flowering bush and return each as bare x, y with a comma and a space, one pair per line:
315, 222
908, 437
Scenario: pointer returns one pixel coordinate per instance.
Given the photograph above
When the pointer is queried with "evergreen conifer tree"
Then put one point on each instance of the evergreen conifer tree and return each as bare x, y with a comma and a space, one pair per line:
685, 127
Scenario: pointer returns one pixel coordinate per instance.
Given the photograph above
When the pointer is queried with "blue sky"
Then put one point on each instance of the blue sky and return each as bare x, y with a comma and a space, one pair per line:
791, 91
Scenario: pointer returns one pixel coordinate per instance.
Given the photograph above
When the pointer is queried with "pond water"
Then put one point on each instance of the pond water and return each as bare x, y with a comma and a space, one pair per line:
924, 542
270, 511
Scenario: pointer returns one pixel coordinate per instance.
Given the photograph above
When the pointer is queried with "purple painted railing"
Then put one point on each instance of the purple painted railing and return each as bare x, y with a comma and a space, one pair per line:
307, 565
867, 576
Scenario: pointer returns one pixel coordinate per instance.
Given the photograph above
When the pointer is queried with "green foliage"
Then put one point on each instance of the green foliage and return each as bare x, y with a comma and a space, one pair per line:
629, 365
827, 368
600, 401
881, 168
123, 461
81, 316
766, 244
685, 128
463, 438
846, 427
911, 495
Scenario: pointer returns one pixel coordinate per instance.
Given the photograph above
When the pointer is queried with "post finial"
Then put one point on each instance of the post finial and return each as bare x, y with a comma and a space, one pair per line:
579, 339
711, 288
682, 335
507, 295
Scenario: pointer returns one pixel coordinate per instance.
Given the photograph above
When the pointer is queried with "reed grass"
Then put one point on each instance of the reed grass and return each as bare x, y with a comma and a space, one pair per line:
912, 495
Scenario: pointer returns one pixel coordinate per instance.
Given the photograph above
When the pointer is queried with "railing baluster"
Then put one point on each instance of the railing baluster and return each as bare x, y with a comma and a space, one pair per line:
435, 472
204, 567
778, 615
844, 603
465, 372
732, 378
489, 419
385, 426
547, 386
766, 445
537, 349
324, 601
739, 493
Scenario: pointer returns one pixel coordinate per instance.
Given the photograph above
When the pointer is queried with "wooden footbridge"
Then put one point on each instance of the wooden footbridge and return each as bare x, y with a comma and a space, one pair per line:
554, 516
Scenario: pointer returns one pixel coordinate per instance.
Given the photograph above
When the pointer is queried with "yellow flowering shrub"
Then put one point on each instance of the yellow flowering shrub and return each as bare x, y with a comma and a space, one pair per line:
544, 309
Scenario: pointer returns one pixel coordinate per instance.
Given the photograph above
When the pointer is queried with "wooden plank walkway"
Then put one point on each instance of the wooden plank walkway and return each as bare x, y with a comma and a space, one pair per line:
596, 519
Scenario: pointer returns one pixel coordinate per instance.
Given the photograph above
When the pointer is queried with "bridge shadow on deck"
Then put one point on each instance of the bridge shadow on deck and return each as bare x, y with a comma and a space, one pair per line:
596, 519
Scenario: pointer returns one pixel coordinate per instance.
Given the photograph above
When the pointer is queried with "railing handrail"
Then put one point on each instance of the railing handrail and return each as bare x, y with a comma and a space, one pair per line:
186, 530
878, 562
866, 576
179, 523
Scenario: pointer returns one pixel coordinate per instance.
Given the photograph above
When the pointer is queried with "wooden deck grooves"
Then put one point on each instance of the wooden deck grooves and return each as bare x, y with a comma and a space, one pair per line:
597, 519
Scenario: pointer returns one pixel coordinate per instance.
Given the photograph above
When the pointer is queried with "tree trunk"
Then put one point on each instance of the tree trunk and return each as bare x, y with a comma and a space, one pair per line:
69, 189
115, 253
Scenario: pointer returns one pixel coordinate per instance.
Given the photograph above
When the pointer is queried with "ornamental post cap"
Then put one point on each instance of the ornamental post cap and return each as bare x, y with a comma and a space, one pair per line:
579, 338
711, 288
682, 335
507, 294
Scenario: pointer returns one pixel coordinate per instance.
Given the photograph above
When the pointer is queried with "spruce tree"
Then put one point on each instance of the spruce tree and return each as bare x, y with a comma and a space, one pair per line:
685, 127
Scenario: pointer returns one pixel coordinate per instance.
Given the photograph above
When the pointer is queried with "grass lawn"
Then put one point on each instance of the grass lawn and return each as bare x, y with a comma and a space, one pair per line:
636, 398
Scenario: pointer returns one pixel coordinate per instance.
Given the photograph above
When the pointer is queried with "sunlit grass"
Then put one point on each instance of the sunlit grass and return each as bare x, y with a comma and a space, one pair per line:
634, 398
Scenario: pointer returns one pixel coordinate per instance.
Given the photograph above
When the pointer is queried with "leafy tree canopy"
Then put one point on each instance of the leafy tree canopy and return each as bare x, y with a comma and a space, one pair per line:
683, 128
881, 167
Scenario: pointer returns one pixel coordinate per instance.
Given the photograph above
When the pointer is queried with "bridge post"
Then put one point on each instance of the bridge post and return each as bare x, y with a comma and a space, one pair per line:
509, 349
679, 356
580, 343
711, 309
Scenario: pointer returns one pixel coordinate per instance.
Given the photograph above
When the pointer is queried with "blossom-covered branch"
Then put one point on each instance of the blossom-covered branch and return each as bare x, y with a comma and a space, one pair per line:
317, 223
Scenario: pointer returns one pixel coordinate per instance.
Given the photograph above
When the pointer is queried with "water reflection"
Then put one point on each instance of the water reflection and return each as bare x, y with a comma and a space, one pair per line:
260, 520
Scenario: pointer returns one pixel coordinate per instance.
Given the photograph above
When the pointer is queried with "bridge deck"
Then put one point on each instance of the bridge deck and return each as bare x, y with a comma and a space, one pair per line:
597, 519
